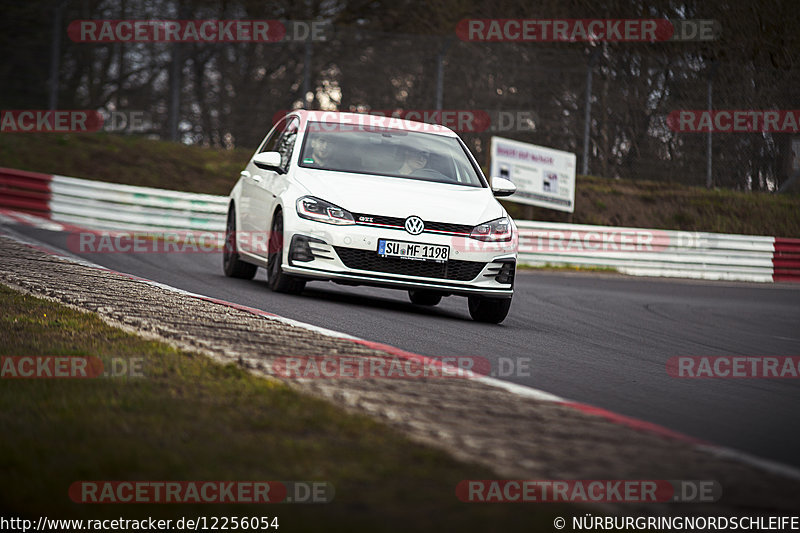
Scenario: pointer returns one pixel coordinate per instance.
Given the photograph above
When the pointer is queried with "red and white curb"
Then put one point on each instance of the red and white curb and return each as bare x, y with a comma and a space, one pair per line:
520, 390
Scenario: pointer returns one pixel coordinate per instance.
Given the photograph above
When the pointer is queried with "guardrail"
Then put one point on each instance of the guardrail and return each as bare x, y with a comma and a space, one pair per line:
650, 252
110, 206
634, 251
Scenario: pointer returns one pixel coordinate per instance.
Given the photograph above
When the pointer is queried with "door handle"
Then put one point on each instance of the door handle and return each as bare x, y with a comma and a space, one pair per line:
244, 174
257, 178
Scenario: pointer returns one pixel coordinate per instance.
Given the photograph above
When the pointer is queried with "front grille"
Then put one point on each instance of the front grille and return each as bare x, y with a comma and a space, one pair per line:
377, 219
396, 222
449, 228
370, 260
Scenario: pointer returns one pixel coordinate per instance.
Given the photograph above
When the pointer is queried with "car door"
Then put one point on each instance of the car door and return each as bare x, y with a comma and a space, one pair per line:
252, 208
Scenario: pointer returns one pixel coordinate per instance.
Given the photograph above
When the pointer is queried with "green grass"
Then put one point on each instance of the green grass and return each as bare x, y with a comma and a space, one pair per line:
131, 160
189, 418
567, 268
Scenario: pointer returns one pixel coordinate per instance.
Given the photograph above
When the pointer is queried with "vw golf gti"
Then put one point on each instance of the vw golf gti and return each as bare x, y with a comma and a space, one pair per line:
367, 200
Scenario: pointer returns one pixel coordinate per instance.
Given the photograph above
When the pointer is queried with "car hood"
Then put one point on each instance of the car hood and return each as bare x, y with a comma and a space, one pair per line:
402, 197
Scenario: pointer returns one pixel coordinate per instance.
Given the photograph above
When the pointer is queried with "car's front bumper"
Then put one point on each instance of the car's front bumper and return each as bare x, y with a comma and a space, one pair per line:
348, 254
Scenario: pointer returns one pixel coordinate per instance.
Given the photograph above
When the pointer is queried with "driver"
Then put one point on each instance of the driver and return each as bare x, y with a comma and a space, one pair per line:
321, 152
414, 160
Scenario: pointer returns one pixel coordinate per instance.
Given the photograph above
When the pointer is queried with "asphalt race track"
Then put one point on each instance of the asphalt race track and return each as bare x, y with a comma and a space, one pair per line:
598, 339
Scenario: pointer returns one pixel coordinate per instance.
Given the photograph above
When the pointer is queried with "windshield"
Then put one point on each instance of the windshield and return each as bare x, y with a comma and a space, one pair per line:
387, 152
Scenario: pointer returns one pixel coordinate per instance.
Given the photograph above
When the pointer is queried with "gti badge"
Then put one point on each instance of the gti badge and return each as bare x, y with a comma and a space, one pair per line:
414, 225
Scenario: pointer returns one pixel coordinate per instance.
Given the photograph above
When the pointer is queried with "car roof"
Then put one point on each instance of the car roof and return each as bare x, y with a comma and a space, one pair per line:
366, 119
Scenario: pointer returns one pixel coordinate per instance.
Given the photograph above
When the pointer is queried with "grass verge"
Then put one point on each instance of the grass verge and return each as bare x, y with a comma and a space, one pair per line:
568, 268
189, 418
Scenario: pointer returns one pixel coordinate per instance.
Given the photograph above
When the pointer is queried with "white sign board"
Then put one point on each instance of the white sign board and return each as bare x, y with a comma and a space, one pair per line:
543, 176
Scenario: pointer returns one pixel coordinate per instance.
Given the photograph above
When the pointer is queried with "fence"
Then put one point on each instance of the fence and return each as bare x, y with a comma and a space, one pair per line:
633, 251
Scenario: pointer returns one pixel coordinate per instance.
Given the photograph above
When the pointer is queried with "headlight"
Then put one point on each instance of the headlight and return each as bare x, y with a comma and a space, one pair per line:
495, 231
322, 211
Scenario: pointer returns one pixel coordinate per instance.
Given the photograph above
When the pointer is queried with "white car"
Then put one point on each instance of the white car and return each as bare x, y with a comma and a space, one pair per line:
367, 200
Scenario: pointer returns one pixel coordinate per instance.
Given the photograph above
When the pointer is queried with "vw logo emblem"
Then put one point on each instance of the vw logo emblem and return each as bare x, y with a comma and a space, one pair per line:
414, 225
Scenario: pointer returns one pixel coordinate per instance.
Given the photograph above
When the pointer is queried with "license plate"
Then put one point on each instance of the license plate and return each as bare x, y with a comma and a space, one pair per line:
413, 250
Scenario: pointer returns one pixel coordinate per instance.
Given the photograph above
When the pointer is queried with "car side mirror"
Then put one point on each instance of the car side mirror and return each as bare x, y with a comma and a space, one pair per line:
268, 161
503, 187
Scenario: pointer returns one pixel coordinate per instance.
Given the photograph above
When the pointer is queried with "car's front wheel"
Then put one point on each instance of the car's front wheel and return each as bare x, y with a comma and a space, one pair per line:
277, 280
424, 297
231, 264
491, 310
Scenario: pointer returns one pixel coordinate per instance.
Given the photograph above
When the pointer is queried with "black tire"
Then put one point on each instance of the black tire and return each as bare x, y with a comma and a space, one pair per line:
491, 310
231, 264
277, 280
422, 297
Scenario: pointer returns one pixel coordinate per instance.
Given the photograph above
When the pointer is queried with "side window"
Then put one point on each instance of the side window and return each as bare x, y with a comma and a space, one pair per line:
286, 143
271, 142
